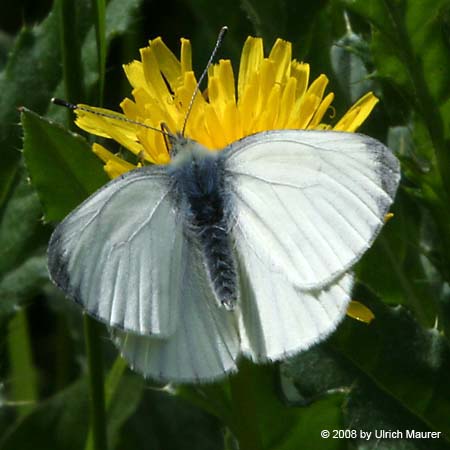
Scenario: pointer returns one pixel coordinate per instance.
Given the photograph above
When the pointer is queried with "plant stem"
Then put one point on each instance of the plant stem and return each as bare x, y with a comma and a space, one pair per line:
244, 409
99, 9
96, 383
23, 374
111, 386
71, 55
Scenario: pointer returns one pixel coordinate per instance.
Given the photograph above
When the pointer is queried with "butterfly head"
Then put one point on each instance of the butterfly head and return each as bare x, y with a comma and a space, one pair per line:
183, 148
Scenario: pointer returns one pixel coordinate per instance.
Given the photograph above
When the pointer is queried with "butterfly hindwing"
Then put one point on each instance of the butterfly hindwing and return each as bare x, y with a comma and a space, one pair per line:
119, 253
205, 345
309, 203
276, 319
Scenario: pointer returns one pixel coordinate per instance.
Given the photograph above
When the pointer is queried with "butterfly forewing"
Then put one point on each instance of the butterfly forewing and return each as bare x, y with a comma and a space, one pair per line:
119, 254
309, 203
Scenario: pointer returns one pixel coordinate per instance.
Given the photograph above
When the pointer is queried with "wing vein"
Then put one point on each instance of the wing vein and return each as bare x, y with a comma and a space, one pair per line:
261, 220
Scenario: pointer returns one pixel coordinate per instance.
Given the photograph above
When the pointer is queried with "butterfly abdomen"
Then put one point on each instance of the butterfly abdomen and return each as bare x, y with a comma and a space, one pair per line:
200, 184
220, 263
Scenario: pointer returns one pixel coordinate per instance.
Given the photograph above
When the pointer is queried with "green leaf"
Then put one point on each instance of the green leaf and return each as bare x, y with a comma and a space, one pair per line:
62, 167
408, 29
392, 359
212, 398
23, 267
369, 410
283, 425
123, 405
5, 45
30, 78
21, 86
410, 54
165, 421
61, 422
22, 283
321, 371
406, 361
412, 59
32, 74
24, 389
401, 279
21, 229
348, 56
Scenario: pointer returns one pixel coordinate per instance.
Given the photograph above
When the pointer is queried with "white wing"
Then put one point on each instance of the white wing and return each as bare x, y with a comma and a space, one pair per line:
277, 320
205, 344
119, 253
309, 203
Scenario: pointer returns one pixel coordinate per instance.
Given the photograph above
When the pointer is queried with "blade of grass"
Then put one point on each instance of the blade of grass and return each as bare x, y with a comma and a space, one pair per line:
23, 374
71, 55
99, 8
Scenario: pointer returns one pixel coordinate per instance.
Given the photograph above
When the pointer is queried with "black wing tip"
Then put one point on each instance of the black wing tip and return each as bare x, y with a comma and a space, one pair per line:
57, 265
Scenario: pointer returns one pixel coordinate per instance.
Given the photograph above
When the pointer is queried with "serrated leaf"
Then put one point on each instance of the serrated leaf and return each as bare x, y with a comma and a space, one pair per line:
369, 411
20, 85
29, 78
401, 362
21, 229
61, 165
33, 74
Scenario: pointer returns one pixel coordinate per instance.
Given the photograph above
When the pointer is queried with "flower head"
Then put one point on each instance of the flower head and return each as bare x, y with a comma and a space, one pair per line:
272, 92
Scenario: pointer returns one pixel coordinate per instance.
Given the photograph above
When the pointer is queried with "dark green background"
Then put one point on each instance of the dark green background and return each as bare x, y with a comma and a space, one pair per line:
392, 375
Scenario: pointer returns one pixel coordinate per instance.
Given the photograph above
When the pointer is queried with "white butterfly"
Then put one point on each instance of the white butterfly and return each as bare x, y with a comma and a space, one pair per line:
243, 251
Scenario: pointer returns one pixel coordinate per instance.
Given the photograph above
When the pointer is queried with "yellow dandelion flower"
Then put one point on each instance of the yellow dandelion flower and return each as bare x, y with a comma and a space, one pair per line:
272, 92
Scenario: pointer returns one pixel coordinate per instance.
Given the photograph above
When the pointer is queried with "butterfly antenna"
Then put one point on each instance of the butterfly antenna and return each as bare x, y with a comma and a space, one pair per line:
60, 102
219, 41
